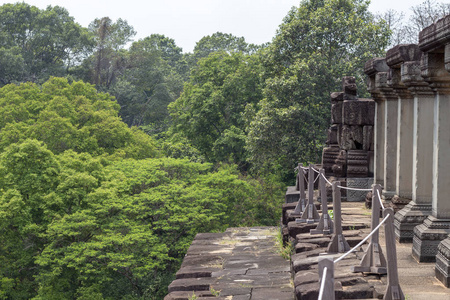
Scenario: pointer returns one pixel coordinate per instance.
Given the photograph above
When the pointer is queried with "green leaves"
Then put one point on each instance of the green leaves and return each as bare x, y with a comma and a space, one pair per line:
39, 43
209, 111
69, 117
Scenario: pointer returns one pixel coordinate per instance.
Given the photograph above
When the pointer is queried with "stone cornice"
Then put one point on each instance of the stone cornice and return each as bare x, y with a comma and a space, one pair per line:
435, 36
402, 53
375, 65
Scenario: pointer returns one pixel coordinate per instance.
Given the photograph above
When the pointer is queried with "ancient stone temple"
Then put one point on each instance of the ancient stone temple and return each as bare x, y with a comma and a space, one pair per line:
411, 88
348, 154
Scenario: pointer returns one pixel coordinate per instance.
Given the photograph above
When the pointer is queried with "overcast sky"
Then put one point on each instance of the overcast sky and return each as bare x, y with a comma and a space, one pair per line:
187, 21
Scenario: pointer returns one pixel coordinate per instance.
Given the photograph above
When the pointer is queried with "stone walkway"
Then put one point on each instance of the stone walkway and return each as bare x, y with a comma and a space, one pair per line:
243, 264
417, 280
239, 264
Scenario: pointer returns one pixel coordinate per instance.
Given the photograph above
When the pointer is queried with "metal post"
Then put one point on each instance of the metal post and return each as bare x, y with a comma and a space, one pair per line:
310, 214
328, 290
393, 290
338, 244
373, 260
325, 225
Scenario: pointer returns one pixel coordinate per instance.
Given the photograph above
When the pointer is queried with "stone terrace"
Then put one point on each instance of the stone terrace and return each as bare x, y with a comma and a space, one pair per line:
239, 264
244, 263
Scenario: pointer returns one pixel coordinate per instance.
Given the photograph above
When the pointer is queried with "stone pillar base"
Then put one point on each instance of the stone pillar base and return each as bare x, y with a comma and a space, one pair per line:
442, 269
427, 237
406, 219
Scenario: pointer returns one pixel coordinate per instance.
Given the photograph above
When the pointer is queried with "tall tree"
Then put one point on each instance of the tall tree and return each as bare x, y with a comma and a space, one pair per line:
150, 82
317, 44
35, 44
109, 59
221, 42
209, 110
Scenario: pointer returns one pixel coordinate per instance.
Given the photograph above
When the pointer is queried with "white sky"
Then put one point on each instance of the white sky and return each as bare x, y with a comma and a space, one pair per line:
187, 21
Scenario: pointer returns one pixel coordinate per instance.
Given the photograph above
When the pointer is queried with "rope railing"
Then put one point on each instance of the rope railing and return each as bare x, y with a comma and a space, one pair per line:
322, 283
373, 260
329, 182
362, 241
353, 189
379, 198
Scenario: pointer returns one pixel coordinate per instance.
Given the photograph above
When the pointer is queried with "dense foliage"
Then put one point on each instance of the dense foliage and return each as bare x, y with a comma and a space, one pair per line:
114, 153
87, 207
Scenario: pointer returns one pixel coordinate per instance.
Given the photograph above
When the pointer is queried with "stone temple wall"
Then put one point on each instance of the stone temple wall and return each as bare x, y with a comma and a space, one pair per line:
348, 154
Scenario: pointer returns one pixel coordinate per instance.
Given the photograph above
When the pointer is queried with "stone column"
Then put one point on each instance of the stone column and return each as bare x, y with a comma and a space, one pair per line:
409, 217
436, 227
390, 140
377, 69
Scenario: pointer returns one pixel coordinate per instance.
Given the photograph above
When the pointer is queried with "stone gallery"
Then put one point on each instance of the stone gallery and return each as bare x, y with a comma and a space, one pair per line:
411, 88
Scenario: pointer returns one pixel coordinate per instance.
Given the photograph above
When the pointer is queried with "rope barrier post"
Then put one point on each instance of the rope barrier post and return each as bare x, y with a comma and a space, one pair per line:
326, 291
393, 290
373, 260
300, 207
338, 244
325, 225
310, 214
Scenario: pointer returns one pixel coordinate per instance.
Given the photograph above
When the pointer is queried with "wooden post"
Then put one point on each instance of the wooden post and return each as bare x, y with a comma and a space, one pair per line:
325, 225
310, 214
338, 244
373, 260
300, 207
328, 291
393, 290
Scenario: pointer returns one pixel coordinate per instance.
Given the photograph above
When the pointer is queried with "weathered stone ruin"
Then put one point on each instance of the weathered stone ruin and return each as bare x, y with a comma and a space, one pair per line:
411, 88
348, 154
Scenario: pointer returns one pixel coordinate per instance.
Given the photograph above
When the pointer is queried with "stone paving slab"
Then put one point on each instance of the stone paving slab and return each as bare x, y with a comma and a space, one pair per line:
239, 264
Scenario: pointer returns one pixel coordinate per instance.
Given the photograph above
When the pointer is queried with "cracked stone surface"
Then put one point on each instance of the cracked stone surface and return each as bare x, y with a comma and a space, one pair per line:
239, 264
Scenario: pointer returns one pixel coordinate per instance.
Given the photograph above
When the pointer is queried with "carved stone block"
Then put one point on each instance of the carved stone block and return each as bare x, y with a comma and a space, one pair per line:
359, 112
349, 87
367, 143
329, 156
358, 136
442, 269
427, 237
409, 217
346, 138
336, 97
292, 194
336, 113
333, 132
357, 163
358, 183
340, 166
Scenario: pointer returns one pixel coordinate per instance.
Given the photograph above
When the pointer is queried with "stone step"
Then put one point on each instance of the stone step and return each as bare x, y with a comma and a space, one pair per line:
186, 295
193, 272
191, 284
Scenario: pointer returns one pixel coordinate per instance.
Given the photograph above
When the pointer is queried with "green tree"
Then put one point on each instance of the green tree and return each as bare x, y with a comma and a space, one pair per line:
29, 172
36, 44
109, 58
69, 116
133, 230
316, 45
209, 110
222, 42
149, 84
